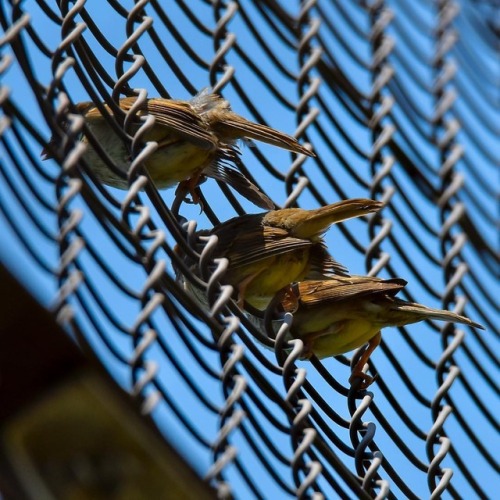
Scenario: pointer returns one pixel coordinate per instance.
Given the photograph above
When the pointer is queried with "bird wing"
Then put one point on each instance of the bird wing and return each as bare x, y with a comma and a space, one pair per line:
240, 183
232, 229
323, 265
178, 116
340, 288
248, 251
232, 125
244, 240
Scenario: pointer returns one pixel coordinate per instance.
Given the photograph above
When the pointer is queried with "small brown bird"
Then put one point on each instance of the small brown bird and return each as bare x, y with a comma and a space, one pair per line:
340, 314
269, 251
196, 139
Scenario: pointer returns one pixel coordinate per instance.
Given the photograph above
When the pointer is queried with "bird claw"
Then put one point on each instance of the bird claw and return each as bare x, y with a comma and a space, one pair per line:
186, 188
290, 296
361, 380
307, 352
294, 296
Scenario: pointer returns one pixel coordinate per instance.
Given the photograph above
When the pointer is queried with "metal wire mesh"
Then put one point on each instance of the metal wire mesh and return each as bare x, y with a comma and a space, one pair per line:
399, 100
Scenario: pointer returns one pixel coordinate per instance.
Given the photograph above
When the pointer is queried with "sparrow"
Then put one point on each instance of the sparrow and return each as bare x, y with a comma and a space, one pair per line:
196, 139
340, 314
269, 251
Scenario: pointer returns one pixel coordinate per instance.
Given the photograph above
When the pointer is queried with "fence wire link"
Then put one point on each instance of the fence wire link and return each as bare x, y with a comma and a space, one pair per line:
399, 101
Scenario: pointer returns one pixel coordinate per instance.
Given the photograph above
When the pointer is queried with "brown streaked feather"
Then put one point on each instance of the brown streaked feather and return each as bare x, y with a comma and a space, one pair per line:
322, 264
240, 183
179, 117
251, 253
231, 229
318, 220
421, 312
245, 245
237, 127
251, 238
216, 111
90, 112
340, 288
86, 107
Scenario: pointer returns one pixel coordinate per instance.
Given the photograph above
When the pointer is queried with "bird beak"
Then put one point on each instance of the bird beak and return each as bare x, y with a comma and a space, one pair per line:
45, 155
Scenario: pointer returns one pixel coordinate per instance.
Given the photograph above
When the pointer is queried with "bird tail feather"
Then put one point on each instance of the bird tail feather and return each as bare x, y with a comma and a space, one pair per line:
217, 111
323, 217
237, 127
424, 312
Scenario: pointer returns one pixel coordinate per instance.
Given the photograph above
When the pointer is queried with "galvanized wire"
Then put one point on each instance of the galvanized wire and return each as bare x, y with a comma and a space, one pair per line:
399, 100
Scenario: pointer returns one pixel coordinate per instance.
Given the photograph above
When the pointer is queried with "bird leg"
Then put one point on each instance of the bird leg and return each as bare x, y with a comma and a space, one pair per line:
357, 369
289, 296
189, 186
307, 350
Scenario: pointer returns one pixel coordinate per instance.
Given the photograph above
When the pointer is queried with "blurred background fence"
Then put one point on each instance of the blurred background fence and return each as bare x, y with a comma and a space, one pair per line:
400, 102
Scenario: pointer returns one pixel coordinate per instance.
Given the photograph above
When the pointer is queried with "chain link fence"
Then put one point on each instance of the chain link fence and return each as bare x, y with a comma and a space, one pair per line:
400, 102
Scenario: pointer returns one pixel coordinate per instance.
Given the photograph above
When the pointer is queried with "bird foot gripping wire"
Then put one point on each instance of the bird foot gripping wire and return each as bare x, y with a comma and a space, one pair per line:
288, 297
188, 187
359, 379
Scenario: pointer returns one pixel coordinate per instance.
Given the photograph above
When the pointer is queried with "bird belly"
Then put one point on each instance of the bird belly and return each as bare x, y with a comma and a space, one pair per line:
176, 162
175, 159
328, 336
274, 274
116, 150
